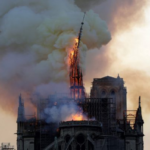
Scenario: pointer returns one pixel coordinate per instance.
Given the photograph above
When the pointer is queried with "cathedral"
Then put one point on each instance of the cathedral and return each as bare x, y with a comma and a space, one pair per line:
109, 124
114, 127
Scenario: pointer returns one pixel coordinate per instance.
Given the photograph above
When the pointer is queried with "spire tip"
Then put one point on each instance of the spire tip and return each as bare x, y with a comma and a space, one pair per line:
139, 101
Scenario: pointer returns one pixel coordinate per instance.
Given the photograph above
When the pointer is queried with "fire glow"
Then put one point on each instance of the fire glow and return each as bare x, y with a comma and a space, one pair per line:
75, 72
72, 52
77, 117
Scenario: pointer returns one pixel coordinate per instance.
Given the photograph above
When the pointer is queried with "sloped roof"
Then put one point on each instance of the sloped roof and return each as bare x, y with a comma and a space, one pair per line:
106, 78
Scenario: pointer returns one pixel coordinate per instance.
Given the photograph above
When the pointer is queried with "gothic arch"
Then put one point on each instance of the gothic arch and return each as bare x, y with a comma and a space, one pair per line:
103, 92
50, 147
92, 142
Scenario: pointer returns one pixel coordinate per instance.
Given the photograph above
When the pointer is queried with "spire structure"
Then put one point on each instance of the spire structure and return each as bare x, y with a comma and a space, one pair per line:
118, 76
80, 33
139, 112
139, 101
21, 117
139, 119
76, 76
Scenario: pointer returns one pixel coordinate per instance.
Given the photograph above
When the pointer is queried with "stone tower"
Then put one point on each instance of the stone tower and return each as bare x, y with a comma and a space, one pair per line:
109, 87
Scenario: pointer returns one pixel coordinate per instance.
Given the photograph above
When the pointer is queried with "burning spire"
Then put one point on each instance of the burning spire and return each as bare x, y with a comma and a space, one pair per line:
76, 77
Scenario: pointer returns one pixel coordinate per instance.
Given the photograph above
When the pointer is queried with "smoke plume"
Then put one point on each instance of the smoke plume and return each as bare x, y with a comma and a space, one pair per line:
60, 113
121, 14
35, 40
87, 4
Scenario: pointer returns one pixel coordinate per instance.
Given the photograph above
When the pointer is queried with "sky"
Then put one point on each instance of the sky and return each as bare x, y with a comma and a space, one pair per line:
127, 54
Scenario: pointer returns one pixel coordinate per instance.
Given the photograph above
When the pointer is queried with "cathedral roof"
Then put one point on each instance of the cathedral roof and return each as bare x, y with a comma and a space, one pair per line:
107, 77
103, 78
108, 80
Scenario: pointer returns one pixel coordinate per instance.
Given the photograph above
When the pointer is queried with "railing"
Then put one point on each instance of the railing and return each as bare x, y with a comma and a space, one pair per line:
80, 123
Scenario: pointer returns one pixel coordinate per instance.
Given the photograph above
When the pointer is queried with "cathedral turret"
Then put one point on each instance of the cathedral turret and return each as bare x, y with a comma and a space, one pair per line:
139, 127
21, 117
139, 119
20, 123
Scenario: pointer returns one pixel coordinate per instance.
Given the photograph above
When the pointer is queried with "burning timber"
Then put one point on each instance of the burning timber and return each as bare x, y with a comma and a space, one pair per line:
77, 90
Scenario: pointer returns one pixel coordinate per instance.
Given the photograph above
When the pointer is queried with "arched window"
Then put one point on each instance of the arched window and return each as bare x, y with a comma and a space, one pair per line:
80, 139
90, 146
103, 93
112, 92
67, 139
113, 104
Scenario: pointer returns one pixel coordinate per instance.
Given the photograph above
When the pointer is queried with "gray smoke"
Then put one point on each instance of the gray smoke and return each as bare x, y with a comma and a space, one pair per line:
35, 40
88, 4
63, 112
121, 14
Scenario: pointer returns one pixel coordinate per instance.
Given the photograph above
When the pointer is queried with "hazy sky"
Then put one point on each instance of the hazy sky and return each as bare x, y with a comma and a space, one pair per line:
127, 54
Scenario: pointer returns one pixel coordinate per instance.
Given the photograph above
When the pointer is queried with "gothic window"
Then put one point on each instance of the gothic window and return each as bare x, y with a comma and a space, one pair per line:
90, 146
59, 147
80, 139
103, 93
67, 138
112, 93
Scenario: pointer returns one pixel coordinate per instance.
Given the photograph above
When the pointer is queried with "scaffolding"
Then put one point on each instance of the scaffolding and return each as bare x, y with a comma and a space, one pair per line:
42, 132
103, 110
129, 118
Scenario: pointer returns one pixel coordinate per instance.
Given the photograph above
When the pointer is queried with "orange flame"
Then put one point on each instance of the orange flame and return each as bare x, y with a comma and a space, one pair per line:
71, 52
76, 40
76, 117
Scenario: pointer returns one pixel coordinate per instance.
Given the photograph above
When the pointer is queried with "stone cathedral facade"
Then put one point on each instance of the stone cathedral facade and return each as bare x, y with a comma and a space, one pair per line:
114, 127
